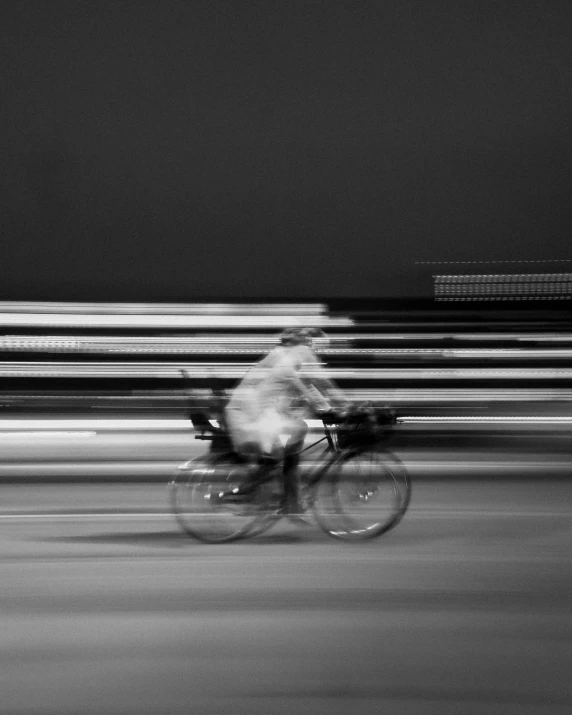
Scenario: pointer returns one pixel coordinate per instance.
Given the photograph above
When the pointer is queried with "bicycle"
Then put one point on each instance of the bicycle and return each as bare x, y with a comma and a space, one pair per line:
354, 474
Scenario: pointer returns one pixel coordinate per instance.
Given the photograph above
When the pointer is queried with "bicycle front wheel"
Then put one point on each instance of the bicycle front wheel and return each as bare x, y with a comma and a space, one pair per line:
362, 495
196, 492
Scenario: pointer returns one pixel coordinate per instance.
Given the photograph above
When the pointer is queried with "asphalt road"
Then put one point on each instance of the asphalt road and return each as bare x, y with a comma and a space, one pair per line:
464, 608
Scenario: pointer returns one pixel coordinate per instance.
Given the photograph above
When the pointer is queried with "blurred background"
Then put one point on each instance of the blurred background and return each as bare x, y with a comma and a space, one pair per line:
474, 390
183, 181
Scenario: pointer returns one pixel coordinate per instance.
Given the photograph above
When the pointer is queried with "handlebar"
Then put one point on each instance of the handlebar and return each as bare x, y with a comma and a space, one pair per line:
332, 417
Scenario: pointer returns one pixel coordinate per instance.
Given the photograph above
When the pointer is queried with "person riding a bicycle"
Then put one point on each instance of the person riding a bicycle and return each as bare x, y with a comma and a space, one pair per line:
265, 414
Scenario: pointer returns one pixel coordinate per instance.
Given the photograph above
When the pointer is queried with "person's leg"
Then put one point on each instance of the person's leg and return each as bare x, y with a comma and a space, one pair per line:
255, 441
269, 452
298, 431
243, 437
266, 463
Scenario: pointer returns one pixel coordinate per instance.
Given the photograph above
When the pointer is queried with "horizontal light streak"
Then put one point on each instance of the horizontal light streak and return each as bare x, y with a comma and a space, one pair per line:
463, 396
101, 514
491, 419
90, 427
164, 308
85, 516
391, 396
87, 427
460, 336
501, 278
166, 321
237, 370
51, 434
257, 343
442, 335
505, 298
163, 346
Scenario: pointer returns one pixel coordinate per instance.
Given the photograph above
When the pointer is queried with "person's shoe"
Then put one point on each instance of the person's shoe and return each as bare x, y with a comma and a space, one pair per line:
292, 509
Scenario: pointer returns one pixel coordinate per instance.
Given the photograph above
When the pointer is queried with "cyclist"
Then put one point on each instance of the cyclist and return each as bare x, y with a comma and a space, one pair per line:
272, 400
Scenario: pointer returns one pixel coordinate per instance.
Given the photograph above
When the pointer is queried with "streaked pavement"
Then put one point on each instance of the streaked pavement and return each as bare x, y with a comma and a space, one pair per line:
464, 608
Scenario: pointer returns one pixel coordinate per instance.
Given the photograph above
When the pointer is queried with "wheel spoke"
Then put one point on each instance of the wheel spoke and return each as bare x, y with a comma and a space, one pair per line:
197, 502
361, 496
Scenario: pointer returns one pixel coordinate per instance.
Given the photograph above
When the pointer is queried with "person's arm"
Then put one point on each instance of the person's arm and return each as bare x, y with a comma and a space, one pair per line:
299, 385
315, 374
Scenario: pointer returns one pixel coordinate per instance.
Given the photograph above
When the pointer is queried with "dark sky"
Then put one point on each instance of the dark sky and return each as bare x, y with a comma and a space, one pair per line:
183, 150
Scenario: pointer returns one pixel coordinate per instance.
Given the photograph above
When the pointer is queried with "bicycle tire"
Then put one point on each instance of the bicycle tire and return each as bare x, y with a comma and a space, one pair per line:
401, 475
265, 498
199, 513
362, 494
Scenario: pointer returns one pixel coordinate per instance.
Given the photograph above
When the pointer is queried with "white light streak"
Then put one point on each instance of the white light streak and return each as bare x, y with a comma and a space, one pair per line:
51, 434
166, 321
241, 346
164, 308
238, 370
220, 342
89, 426
461, 419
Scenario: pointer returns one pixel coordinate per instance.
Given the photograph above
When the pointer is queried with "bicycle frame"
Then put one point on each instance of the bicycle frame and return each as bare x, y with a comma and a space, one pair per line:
315, 474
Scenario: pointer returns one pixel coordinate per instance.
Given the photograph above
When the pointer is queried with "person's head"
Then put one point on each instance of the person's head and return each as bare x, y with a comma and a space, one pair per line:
302, 336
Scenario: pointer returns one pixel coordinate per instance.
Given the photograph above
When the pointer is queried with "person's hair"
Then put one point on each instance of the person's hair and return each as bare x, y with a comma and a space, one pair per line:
300, 336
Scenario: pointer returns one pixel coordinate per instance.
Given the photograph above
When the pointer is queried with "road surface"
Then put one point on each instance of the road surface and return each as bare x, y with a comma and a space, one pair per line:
464, 608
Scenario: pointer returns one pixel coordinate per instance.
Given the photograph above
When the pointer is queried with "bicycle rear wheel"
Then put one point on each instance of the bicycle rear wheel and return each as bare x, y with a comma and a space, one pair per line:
362, 495
196, 492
